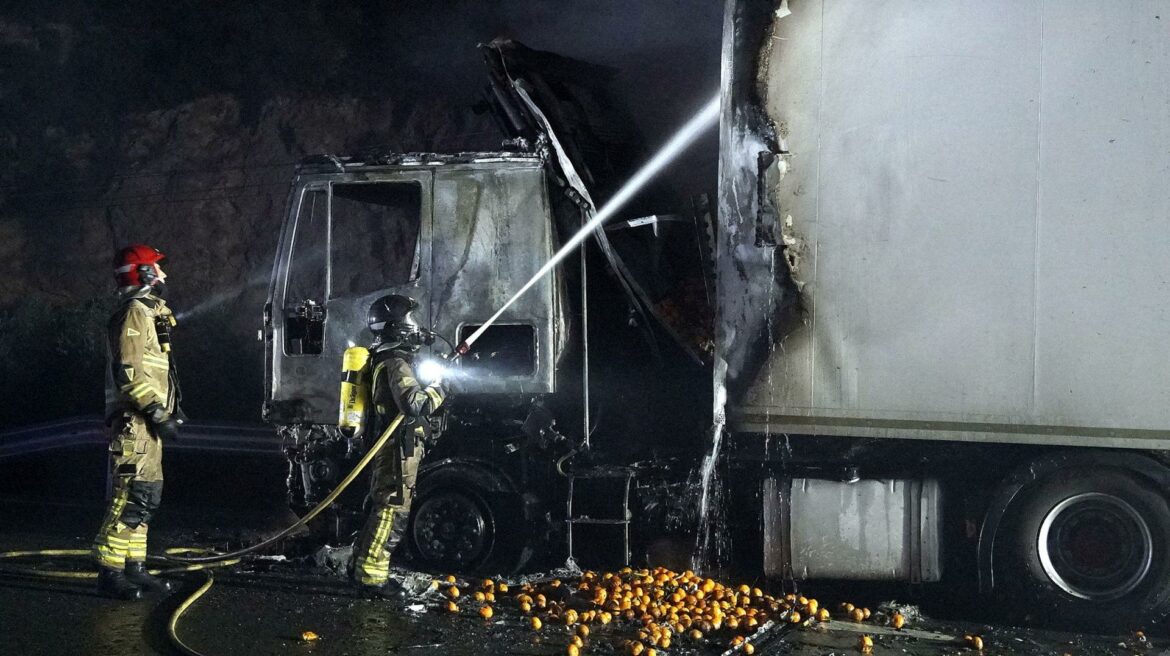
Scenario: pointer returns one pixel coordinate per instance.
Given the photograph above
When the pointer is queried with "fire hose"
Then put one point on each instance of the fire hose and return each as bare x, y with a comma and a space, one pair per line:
83, 553
169, 554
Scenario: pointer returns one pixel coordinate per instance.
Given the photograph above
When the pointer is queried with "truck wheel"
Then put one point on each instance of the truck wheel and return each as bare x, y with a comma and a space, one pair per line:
467, 519
452, 530
1091, 548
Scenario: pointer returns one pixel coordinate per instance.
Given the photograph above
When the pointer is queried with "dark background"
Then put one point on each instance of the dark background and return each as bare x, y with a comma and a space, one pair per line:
177, 124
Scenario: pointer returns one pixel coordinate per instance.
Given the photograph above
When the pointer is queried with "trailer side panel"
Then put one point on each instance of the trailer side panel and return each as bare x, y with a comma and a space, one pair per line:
972, 201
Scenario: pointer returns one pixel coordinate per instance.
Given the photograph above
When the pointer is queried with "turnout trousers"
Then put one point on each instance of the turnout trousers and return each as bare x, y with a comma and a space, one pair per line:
391, 490
136, 471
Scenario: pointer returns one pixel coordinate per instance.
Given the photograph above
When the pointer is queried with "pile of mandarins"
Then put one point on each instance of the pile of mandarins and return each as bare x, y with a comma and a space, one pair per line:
664, 606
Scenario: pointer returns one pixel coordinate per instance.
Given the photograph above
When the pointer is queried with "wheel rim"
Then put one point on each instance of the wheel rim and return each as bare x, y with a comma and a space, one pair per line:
1095, 546
452, 530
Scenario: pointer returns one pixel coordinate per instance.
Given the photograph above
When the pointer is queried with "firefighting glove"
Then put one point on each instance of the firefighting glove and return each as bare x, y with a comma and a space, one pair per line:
165, 425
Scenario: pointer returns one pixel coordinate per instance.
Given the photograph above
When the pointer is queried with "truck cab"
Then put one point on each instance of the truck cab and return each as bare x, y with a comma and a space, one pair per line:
459, 234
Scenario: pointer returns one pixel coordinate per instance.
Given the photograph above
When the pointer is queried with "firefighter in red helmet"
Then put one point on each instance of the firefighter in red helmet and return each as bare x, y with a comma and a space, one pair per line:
142, 410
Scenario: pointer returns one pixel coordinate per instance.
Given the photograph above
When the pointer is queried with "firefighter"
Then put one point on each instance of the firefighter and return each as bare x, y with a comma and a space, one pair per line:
378, 384
142, 411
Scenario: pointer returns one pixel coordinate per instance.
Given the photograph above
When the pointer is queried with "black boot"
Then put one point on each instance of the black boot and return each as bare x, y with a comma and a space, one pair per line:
136, 574
112, 583
391, 590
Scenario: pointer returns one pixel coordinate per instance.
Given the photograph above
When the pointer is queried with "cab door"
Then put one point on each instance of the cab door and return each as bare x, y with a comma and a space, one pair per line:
357, 237
295, 315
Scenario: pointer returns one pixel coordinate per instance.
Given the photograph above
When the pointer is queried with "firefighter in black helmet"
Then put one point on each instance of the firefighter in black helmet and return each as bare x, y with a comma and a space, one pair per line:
378, 384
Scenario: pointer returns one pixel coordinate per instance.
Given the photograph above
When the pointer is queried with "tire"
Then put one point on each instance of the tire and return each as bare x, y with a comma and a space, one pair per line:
462, 524
452, 530
1089, 548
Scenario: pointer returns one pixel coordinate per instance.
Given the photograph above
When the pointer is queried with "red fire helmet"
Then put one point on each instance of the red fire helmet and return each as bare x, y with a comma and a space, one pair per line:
134, 265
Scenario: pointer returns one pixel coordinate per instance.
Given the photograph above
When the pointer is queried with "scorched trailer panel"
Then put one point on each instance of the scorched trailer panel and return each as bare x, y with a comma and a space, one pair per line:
972, 203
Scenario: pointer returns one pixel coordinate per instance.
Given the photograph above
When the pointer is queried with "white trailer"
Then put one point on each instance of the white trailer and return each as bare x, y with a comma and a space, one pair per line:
944, 270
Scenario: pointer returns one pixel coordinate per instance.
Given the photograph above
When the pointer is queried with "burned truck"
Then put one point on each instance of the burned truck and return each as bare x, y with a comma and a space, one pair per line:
452, 232
942, 269
460, 233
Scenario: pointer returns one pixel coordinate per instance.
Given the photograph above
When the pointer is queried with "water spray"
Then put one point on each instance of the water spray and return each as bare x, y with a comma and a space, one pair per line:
219, 298
706, 118
312, 262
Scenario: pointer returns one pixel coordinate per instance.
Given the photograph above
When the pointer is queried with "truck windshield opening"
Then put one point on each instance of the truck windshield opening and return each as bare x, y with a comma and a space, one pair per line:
375, 236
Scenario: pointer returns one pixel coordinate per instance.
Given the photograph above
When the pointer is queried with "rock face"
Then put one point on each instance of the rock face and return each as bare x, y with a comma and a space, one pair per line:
204, 180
